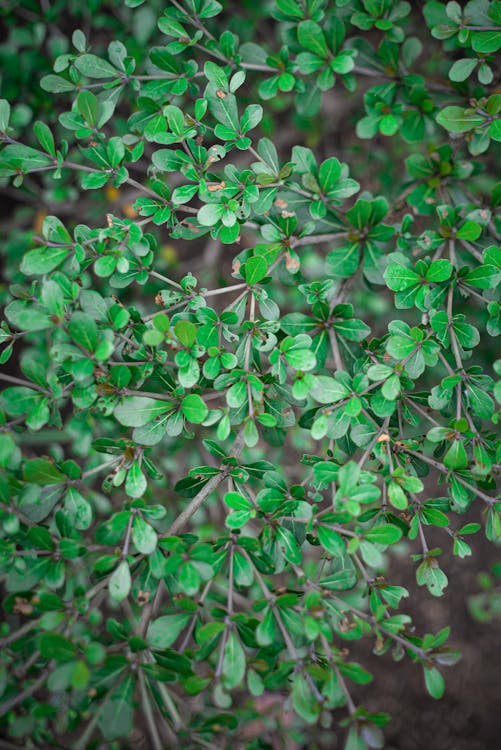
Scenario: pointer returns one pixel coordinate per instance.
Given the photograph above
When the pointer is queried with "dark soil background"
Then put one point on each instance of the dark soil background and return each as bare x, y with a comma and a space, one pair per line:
468, 717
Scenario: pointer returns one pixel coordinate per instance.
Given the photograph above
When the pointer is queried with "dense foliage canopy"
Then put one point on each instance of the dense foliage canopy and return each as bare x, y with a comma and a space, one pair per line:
252, 273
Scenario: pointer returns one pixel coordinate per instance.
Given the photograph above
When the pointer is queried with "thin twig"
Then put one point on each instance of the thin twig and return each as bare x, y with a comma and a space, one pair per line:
157, 743
11, 703
201, 496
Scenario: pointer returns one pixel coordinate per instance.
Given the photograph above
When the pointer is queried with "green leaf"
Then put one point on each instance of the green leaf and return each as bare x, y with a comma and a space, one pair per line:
42, 471
289, 545
399, 278
311, 37
237, 519
78, 508
44, 137
459, 120
4, 115
470, 230
194, 409
348, 477
456, 457
355, 742
267, 628
352, 329
23, 159
136, 411
186, 332
343, 262
175, 119
233, 661
329, 173
216, 75
391, 387
53, 298
486, 42
342, 577
331, 541
120, 582
484, 277
26, 317
144, 536
300, 359
87, 106
135, 484
116, 716
397, 496
95, 67
55, 646
235, 501
355, 672
462, 69
304, 702
386, 534
434, 682
83, 331
252, 116
210, 214
255, 269
343, 63
439, 270
56, 84
164, 631
94, 180
327, 390
430, 575
400, 347
225, 110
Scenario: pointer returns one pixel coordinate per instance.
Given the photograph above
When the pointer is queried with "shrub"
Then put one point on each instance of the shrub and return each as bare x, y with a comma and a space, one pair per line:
250, 378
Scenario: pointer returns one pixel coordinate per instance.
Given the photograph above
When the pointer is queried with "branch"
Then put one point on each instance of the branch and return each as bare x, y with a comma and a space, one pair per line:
7, 705
201, 496
24, 383
148, 713
444, 470
17, 634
